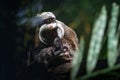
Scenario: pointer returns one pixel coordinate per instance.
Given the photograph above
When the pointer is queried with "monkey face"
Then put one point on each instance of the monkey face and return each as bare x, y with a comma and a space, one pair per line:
48, 32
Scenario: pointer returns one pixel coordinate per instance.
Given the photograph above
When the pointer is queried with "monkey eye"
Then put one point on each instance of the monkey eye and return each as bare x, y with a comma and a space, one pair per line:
49, 20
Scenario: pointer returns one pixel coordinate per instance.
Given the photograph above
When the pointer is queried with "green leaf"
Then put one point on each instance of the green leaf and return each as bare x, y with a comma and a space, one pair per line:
77, 59
118, 37
112, 36
96, 40
99, 72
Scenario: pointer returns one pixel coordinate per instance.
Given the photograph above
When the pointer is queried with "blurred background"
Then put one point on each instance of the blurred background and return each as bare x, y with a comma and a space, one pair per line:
18, 34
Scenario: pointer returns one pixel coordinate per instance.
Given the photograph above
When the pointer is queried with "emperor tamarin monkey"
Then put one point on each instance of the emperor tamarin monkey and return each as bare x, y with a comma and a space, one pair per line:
52, 28
52, 32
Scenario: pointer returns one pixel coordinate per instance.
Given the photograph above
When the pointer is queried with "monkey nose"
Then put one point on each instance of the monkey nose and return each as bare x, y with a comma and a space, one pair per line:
50, 26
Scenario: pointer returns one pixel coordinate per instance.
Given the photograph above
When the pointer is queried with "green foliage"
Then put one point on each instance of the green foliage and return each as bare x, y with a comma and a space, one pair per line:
99, 72
112, 37
96, 45
96, 40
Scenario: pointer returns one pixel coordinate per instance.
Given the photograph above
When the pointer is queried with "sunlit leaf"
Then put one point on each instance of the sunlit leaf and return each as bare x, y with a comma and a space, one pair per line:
96, 40
112, 36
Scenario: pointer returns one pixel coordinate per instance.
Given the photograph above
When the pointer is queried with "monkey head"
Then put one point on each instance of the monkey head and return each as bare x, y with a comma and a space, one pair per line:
49, 30
47, 17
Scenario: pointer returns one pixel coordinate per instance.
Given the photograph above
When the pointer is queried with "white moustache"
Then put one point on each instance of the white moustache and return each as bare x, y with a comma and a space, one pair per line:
60, 30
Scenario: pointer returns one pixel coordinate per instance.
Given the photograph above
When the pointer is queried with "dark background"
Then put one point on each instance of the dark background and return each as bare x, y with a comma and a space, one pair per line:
8, 28
17, 37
